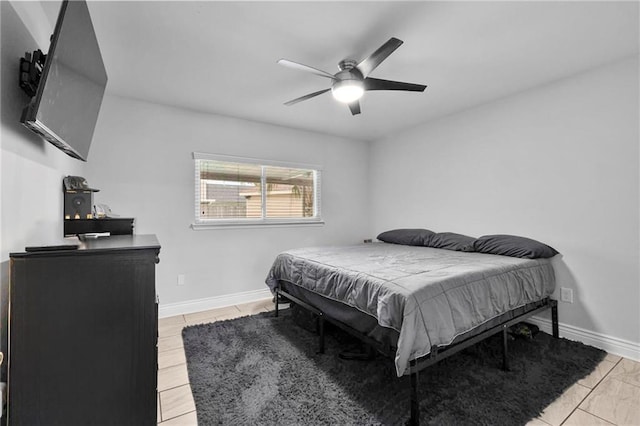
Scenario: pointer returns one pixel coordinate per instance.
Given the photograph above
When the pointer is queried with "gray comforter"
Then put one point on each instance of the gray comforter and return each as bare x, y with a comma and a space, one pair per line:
428, 295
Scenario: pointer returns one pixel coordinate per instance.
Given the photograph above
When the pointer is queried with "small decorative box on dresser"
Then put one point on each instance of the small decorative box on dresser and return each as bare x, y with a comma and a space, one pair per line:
83, 334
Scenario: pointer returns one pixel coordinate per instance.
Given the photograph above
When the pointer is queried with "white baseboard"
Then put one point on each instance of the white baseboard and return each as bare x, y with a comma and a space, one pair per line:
613, 345
190, 306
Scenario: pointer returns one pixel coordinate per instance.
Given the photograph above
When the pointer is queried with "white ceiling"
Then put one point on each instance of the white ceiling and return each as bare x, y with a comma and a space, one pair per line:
220, 57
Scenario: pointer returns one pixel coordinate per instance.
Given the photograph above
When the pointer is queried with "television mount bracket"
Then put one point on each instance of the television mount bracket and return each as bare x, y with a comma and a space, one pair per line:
31, 67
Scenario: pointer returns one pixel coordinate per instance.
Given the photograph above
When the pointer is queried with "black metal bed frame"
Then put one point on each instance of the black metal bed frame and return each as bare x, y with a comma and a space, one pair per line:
437, 353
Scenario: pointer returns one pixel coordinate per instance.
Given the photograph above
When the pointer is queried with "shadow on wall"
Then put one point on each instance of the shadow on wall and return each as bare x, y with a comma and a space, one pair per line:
16, 40
566, 278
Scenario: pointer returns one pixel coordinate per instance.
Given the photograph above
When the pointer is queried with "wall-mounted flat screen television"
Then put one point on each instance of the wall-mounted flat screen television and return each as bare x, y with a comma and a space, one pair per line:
65, 108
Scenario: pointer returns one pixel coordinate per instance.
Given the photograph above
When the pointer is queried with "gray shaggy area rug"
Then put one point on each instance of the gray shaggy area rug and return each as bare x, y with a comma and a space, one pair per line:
263, 370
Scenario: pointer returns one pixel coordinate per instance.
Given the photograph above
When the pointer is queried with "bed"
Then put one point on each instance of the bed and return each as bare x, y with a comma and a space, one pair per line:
414, 303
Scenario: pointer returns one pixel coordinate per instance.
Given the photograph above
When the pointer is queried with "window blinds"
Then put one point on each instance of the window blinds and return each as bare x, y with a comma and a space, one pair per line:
238, 190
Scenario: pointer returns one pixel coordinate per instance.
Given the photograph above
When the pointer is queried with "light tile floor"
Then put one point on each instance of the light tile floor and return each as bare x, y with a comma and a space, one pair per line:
608, 396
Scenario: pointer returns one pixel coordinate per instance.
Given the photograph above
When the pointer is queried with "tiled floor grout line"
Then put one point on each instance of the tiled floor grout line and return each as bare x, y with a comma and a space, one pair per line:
605, 420
179, 415
577, 407
175, 387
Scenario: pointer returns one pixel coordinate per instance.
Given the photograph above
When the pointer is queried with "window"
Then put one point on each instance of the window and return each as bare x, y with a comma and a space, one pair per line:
245, 191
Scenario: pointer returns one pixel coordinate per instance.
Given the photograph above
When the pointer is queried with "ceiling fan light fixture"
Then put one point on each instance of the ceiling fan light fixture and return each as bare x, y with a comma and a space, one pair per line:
347, 91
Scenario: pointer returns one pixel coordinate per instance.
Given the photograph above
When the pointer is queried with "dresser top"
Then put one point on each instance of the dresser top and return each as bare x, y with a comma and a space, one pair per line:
73, 246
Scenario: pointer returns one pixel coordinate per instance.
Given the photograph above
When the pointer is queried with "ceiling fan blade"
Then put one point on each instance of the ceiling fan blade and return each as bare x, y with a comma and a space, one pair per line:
377, 84
305, 97
372, 61
307, 68
355, 107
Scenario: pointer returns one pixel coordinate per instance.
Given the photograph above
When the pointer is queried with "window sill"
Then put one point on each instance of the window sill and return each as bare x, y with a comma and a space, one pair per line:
237, 225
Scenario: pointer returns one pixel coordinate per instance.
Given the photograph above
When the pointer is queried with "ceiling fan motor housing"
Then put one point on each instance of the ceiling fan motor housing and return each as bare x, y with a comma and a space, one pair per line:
347, 64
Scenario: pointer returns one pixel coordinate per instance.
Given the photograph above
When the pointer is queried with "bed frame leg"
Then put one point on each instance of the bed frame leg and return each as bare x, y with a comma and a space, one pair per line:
320, 334
554, 318
505, 341
415, 406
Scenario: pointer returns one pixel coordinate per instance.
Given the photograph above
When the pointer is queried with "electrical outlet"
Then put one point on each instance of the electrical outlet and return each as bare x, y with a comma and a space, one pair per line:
181, 280
368, 240
566, 295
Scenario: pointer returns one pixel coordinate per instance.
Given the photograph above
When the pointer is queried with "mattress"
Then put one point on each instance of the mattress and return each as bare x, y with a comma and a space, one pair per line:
429, 296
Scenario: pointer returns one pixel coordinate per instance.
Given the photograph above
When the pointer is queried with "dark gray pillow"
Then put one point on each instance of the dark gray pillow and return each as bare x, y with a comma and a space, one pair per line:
452, 241
514, 246
407, 237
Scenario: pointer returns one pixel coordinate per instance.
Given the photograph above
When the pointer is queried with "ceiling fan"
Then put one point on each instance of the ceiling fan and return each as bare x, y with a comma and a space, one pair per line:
350, 83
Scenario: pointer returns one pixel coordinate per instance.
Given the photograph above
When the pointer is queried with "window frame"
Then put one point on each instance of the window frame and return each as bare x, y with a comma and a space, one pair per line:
199, 223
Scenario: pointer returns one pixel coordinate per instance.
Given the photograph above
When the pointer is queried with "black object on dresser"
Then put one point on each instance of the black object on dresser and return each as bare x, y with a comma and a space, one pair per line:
115, 226
83, 334
78, 198
77, 204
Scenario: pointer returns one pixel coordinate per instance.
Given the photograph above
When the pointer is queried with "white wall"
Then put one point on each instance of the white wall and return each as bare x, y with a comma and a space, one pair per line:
31, 170
558, 164
141, 160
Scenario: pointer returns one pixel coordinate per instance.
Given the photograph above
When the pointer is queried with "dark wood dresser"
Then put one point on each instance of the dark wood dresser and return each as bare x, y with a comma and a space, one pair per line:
83, 334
